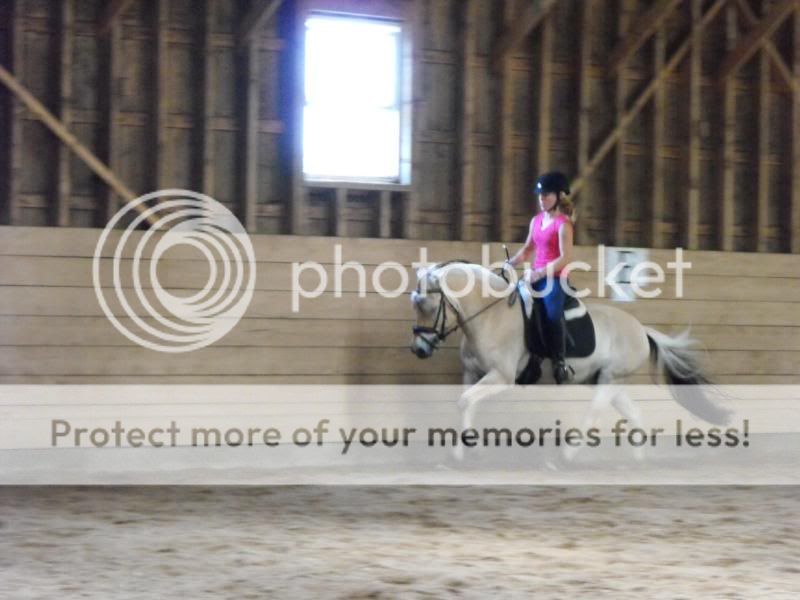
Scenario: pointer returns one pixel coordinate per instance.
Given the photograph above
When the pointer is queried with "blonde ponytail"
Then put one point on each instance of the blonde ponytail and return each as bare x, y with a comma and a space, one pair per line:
567, 207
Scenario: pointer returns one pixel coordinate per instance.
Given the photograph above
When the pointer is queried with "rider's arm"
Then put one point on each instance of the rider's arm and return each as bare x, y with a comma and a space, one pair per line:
526, 252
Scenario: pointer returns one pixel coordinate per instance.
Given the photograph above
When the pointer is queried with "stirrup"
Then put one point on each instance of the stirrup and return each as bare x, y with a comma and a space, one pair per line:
562, 372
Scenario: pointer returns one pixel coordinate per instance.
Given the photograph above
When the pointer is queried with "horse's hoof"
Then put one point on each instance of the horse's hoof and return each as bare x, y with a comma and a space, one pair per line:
551, 465
569, 454
458, 453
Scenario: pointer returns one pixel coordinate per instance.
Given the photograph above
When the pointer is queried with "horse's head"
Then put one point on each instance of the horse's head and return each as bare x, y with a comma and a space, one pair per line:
428, 302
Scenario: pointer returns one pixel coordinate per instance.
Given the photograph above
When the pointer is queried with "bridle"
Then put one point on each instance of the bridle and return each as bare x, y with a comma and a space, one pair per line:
439, 329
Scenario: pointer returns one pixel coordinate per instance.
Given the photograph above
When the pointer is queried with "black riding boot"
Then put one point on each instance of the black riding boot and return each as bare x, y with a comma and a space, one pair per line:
558, 350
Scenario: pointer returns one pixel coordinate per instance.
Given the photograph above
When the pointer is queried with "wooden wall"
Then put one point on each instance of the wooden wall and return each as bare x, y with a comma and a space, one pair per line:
743, 306
167, 100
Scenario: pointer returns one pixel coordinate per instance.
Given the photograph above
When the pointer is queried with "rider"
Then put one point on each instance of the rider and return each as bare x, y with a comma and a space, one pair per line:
550, 238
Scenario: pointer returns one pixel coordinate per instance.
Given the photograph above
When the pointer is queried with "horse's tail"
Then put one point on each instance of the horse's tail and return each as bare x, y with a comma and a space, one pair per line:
675, 356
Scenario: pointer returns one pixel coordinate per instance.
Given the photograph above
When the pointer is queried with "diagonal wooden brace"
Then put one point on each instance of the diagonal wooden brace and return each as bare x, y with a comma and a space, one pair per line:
67, 137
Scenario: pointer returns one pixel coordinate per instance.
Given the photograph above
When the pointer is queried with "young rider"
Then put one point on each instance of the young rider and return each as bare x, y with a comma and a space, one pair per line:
550, 240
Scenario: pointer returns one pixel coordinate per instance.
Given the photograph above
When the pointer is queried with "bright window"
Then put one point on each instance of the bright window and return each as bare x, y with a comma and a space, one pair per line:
352, 123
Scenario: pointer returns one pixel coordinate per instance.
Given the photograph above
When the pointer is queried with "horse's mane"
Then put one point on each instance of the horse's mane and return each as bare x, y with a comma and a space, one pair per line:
446, 263
494, 277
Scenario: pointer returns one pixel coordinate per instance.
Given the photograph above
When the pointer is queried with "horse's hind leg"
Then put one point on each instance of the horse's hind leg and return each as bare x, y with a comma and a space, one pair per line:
625, 406
604, 395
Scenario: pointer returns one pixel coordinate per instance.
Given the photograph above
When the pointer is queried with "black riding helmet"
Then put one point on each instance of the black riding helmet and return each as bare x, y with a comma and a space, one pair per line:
551, 182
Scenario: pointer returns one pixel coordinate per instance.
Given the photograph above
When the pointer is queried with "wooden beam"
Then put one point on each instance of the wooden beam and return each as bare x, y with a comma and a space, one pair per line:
584, 100
768, 46
67, 137
113, 47
298, 207
641, 101
413, 37
250, 131
658, 203
692, 240
340, 213
162, 169
755, 39
504, 145
209, 85
619, 207
13, 214
261, 11
763, 209
727, 201
113, 10
545, 98
385, 214
66, 47
635, 36
518, 28
469, 96
794, 219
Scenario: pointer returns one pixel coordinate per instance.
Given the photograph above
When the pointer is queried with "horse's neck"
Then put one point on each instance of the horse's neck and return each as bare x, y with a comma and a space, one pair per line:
474, 301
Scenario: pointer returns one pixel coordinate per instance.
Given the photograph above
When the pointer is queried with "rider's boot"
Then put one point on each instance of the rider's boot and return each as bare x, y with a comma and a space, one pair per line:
558, 350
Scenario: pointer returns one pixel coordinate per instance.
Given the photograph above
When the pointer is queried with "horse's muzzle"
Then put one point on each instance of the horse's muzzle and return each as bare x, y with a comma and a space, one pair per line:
420, 352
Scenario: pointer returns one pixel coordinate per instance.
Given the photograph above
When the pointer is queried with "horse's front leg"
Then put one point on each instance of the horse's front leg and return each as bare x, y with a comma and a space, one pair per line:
468, 403
472, 367
485, 387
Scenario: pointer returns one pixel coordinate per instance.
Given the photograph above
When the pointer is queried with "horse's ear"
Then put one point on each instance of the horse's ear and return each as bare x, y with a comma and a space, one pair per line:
421, 272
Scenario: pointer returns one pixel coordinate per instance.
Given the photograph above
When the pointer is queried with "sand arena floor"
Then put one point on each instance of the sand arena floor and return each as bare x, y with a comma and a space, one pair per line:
388, 542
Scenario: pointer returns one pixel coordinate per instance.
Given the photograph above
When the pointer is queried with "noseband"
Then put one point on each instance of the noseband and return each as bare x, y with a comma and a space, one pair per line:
439, 328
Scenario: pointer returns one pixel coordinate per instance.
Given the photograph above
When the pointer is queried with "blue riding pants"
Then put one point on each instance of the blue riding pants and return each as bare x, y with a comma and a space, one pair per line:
553, 299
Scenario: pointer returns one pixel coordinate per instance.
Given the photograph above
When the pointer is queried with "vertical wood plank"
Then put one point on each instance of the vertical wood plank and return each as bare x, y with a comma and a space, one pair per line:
794, 232
468, 102
13, 211
250, 131
762, 211
657, 207
163, 92
762, 214
385, 214
619, 207
692, 240
584, 100
113, 91
340, 213
412, 54
66, 47
505, 130
207, 158
726, 208
299, 190
545, 97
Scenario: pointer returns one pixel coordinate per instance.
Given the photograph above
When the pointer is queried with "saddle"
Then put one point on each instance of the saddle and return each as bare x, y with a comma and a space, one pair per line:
578, 326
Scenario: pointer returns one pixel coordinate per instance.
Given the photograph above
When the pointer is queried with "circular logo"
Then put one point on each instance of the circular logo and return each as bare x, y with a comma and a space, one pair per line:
147, 313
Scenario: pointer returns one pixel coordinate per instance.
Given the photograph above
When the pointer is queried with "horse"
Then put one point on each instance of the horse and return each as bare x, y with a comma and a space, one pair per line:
493, 350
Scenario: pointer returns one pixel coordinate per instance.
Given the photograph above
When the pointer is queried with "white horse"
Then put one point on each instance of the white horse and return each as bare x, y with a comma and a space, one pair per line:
493, 351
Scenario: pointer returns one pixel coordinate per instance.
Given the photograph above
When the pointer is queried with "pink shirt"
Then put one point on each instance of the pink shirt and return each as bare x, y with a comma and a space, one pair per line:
546, 241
